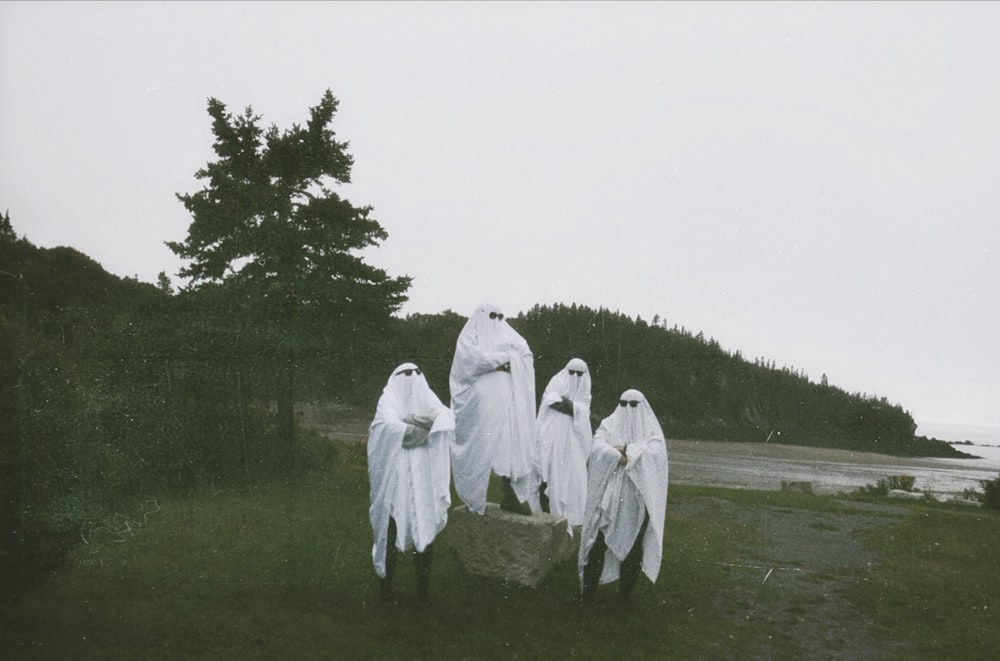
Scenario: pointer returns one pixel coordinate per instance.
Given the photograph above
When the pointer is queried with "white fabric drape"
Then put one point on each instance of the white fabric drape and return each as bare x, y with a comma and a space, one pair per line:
619, 496
409, 484
564, 441
494, 409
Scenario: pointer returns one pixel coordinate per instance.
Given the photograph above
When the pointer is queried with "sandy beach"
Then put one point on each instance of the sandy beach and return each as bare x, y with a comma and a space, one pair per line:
829, 471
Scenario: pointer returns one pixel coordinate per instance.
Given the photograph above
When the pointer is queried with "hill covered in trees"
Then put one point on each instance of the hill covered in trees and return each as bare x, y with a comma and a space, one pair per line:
697, 388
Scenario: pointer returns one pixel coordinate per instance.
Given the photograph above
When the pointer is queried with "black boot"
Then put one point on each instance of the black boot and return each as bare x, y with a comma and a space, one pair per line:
510, 501
629, 573
423, 562
593, 569
543, 498
385, 584
631, 567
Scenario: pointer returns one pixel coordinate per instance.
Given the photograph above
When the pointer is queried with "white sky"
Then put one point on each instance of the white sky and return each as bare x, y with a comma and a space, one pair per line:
817, 184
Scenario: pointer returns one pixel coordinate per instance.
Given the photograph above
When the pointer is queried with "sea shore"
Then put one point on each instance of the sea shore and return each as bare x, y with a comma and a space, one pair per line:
829, 471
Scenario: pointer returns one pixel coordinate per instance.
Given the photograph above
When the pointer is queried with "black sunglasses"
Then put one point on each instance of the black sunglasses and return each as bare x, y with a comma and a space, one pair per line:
496, 315
576, 372
408, 372
633, 403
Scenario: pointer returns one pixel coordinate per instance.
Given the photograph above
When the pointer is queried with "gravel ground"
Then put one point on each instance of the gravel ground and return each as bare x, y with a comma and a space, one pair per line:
796, 577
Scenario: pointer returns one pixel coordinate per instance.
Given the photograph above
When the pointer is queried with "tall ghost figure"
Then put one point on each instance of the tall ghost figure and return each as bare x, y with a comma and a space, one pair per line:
409, 474
493, 396
626, 499
564, 441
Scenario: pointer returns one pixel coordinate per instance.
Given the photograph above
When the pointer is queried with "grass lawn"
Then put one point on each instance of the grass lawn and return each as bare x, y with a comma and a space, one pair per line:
283, 571
937, 587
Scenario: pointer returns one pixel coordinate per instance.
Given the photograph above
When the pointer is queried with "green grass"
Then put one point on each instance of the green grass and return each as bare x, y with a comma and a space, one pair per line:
283, 570
937, 588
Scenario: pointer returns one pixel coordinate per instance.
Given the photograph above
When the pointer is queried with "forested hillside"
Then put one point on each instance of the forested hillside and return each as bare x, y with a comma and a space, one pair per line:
697, 388
701, 390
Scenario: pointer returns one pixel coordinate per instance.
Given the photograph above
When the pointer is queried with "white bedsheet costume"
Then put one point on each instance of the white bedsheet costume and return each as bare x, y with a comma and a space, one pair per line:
494, 408
619, 496
564, 441
408, 464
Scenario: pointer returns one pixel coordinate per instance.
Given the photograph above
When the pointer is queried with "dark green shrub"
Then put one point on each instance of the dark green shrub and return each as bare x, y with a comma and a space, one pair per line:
887, 484
990, 495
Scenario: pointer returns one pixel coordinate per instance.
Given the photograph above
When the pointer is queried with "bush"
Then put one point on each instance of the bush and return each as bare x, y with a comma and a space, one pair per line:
887, 484
989, 497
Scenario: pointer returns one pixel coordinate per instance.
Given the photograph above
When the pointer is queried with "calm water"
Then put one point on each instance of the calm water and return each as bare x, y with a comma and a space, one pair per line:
747, 468
985, 439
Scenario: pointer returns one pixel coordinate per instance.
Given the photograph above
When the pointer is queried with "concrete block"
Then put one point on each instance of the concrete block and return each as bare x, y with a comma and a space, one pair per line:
510, 547
796, 487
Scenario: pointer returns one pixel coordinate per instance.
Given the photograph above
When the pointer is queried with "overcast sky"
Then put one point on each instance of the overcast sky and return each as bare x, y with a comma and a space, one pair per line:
814, 184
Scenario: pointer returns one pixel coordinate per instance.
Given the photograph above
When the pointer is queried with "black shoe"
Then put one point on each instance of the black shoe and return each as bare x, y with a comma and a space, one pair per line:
510, 502
423, 587
514, 506
386, 587
524, 509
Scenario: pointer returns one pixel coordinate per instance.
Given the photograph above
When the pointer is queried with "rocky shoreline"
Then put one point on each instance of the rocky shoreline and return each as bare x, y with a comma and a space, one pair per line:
830, 471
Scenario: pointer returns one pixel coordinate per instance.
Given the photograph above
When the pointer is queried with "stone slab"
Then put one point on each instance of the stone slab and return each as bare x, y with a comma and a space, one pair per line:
796, 486
510, 547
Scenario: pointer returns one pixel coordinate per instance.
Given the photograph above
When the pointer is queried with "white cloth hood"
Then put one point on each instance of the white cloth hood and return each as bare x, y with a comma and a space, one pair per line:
409, 394
570, 386
632, 425
486, 332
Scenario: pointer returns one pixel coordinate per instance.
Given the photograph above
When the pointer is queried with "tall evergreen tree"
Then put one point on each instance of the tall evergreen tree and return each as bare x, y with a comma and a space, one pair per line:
6, 229
268, 230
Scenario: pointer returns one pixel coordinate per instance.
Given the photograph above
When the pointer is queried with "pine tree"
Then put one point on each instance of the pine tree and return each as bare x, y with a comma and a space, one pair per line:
268, 230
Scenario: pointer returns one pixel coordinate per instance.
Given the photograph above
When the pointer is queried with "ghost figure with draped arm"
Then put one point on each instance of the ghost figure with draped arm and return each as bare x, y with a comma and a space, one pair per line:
626, 499
409, 474
564, 441
493, 396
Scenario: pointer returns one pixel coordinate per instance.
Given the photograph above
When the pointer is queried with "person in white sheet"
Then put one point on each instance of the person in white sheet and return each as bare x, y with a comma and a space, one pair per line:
409, 474
626, 499
493, 396
564, 440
